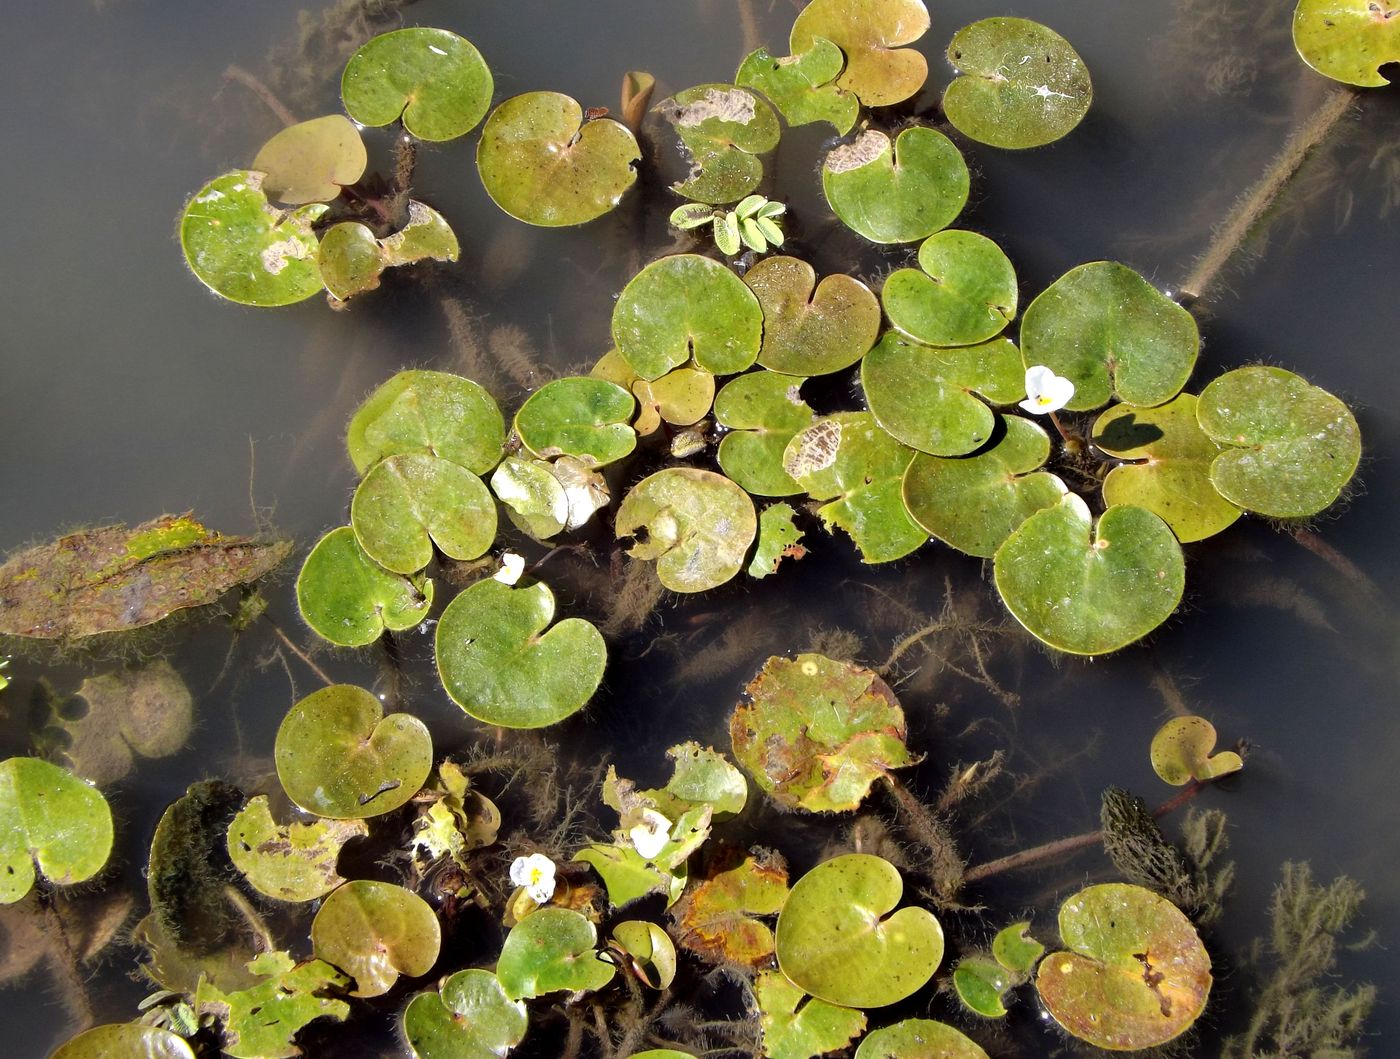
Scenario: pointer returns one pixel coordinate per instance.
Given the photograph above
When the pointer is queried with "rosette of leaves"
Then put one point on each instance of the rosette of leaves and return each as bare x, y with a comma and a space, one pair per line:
869, 32
432, 80
753, 223
816, 733
803, 86
696, 525
896, 191
56, 825
1134, 974
545, 163
982, 983
1020, 84
724, 128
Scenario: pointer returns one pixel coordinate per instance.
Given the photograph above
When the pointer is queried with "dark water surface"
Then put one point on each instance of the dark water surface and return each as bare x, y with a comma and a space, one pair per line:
128, 391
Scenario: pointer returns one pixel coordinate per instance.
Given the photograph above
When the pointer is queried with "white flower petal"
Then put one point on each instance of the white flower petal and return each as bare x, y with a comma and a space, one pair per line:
536, 874
650, 836
512, 566
1045, 391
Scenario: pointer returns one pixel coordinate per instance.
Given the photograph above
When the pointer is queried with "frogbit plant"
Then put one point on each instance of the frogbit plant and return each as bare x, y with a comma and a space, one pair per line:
753, 223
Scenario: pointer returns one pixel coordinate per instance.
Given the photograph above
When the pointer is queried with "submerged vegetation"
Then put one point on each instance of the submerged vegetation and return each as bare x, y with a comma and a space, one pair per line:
661, 928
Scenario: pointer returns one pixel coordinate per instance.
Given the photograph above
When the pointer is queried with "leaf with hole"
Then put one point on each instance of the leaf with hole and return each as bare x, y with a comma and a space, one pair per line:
763, 410
289, 862
700, 775
436, 82
311, 160
338, 755
802, 86
410, 502
1020, 84
431, 412
1182, 752
797, 1026
1348, 40
896, 192
696, 525
870, 33
963, 292
349, 599
723, 129
469, 1017
551, 950
778, 539
497, 661
812, 328
261, 1021
578, 416
1135, 974
374, 932
55, 824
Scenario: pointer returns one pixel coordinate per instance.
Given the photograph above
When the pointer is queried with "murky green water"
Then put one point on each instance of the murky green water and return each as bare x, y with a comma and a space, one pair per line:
129, 391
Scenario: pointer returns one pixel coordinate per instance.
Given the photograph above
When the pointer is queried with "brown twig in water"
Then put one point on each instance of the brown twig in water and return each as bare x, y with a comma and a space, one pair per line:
1250, 209
752, 40
1339, 562
287, 642
251, 82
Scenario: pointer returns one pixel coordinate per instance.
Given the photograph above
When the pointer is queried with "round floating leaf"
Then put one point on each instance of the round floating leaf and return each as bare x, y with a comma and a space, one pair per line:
535, 499
696, 524
850, 461
125, 1040
680, 397
349, 599
578, 416
896, 193
1290, 447
980, 984
374, 932
1111, 333
244, 249
351, 260
430, 412
54, 822
146, 711
543, 164
717, 918
869, 32
763, 411
918, 1039
1089, 590
816, 733
801, 87
499, 664
974, 503
1015, 949
408, 503
684, 304
1171, 475
778, 539
470, 1017
965, 293
811, 328
723, 128
436, 81
312, 160
1136, 975
1021, 83
796, 1026
1181, 752
295, 862
338, 755
924, 396
550, 950
1348, 40
650, 950
839, 938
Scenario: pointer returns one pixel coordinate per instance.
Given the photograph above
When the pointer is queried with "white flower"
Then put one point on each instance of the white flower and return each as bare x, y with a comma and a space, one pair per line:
1045, 391
536, 874
512, 566
649, 837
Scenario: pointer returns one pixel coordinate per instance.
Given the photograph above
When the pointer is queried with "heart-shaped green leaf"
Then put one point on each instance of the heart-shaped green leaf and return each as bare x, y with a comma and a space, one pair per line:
1111, 333
436, 81
338, 755
684, 304
816, 733
973, 503
1182, 752
470, 1017
680, 397
544, 164
1090, 590
723, 128
1290, 447
1021, 84
919, 1039
925, 397
981, 983
1136, 974
811, 328
965, 293
374, 932
295, 862
840, 939
778, 539
125, 1040
697, 525
312, 160
801, 86
350, 600
54, 823
410, 502
718, 918
849, 460
430, 412
550, 950
245, 249
796, 1026
1171, 473
763, 411
869, 32
1348, 40
578, 416
499, 664
900, 192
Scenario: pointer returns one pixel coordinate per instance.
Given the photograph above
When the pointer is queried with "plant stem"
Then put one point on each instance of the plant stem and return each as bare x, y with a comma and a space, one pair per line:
1073, 843
1250, 209
287, 642
405, 159
253, 84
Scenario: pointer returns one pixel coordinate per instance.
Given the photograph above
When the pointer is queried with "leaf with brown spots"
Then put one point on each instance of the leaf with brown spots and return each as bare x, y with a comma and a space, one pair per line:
717, 919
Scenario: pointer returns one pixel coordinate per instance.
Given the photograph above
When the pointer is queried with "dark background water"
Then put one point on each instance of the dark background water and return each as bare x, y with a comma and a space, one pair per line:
128, 391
